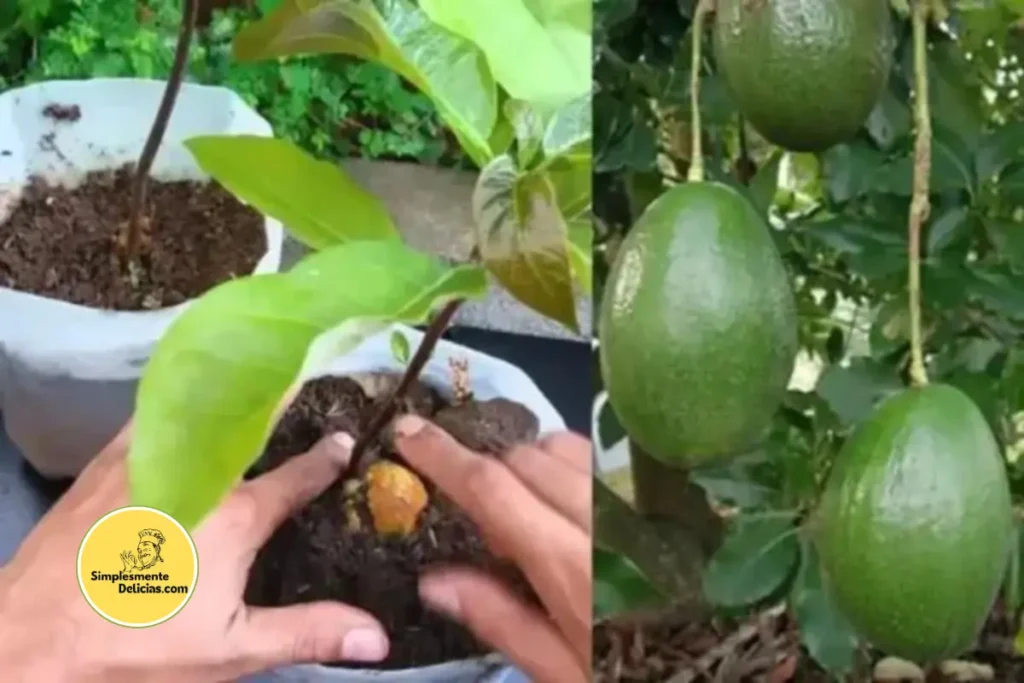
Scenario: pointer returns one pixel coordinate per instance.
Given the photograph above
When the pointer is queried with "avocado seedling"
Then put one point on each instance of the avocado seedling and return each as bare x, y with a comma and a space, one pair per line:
118, 238
369, 537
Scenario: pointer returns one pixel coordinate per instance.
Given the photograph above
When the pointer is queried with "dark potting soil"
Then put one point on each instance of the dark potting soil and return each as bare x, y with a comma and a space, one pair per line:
315, 555
61, 243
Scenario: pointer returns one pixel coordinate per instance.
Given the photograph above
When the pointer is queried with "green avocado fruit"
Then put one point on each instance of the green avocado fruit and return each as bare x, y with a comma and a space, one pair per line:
698, 330
915, 525
806, 75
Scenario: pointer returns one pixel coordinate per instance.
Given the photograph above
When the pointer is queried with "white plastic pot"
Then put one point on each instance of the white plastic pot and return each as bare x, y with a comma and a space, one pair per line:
490, 378
68, 373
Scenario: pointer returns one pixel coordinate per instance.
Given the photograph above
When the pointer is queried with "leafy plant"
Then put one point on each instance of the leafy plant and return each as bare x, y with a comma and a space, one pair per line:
841, 222
259, 336
330, 105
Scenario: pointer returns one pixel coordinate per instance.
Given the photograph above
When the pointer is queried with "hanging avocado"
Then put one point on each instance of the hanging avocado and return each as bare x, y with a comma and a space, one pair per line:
698, 326
914, 527
806, 75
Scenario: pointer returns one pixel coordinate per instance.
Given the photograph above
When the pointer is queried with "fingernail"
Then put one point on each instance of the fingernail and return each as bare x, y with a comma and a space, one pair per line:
409, 425
364, 645
441, 596
342, 445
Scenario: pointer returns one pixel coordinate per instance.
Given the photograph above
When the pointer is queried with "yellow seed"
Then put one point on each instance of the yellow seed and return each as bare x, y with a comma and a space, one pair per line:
395, 496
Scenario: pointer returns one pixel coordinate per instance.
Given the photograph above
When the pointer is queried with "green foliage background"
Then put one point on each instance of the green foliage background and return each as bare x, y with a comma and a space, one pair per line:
330, 105
840, 221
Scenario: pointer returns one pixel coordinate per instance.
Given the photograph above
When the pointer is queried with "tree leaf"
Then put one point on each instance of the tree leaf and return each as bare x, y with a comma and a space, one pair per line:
824, 630
208, 395
523, 238
448, 69
400, 347
620, 586
539, 56
529, 128
570, 128
946, 228
571, 177
755, 559
852, 392
765, 183
318, 203
581, 250
1008, 236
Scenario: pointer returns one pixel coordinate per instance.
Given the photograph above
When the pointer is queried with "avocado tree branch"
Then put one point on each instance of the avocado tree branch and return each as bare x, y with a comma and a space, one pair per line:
695, 174
919, 203
133, 229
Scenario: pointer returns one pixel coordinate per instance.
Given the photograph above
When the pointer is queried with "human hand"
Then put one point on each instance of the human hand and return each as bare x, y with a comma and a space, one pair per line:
128, 559
533, 506
48, 632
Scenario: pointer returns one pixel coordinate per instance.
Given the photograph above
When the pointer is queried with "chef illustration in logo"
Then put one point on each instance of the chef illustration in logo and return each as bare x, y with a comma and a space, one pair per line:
150, 541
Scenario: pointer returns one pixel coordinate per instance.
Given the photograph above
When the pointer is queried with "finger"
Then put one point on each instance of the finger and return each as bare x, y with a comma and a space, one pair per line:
496, 616
316, 632
559, 483
259, 506
483, 487
552, 551
571, 448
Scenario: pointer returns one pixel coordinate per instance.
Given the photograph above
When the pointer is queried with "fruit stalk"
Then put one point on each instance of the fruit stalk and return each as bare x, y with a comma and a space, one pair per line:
695, 173
919, 204
133, 229
419, 359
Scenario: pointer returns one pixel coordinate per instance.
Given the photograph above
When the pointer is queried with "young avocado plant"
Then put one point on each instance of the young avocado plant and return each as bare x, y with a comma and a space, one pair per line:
134, 229
208, 399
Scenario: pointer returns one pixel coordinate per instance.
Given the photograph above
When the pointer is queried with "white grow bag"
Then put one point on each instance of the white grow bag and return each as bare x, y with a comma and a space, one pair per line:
489, 378
68, 373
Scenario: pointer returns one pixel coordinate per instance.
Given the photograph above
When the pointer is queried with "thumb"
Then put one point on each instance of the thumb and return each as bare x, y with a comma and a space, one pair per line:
316, 632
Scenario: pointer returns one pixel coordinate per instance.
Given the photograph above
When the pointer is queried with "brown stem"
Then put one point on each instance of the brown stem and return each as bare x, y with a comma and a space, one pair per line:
133, 229
419, 359
665, 494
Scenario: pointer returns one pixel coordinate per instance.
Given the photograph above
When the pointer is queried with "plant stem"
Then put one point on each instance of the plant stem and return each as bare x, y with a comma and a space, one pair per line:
695, 174
133, 229
412, 371
919, 204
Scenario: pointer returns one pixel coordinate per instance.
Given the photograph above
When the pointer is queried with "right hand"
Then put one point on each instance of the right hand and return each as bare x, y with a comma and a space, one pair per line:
534, 506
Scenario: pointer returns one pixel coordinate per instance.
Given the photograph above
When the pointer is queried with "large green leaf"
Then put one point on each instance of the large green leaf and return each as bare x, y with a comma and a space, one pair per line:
825, 632
538, 53
315, 200
523, 238
757, 557
620, 586
207, 397
399, 35
570, 128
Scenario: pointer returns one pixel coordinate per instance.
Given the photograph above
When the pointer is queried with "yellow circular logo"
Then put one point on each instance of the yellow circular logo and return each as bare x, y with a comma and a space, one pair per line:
137, 567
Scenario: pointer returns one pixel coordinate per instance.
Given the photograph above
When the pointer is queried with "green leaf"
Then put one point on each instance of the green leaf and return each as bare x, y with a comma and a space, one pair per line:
1008, 237
529, 129
400, 347
947, 228
755, 559
824, 630
620, 586
523, 239
765, 183
448, 69
536, 55
208, 395
581, 251
570, 128
318, 203
1013, 586
571, 177
852, 392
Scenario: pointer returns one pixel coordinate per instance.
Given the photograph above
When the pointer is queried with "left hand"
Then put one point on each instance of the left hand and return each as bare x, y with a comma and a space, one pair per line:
48, 632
